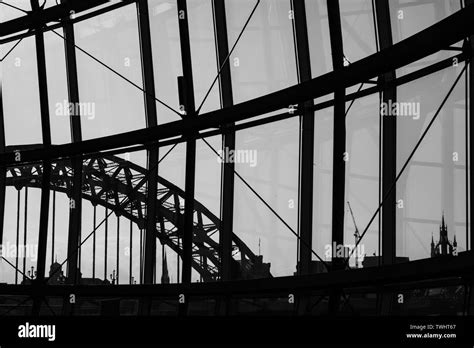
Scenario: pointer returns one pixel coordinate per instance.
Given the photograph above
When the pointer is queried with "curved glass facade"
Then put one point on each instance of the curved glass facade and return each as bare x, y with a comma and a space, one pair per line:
201, 141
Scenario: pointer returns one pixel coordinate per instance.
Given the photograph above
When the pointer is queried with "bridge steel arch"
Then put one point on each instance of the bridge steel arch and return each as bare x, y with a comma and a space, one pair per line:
119, 185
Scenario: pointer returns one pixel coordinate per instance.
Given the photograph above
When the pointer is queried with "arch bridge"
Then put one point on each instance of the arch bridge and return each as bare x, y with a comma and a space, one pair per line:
120, 186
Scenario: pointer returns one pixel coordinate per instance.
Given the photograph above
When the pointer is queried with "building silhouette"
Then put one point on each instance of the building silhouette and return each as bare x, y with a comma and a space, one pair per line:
56, 274
444, 246
57, 277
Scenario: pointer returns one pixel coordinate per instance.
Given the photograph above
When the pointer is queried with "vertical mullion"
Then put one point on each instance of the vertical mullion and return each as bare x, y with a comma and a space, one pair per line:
75, 203
228, 140
17, 240
151, 119
306, 150
471, 134
3, 169
339, 146
470, 216
338, 187
106, 232
72, 79
53, 227
118, 249
466, 147
469, 160
131, 246
46, 133
94, 240
188, 94
389, 142
389, 155
306, 143
25, 230
153, 153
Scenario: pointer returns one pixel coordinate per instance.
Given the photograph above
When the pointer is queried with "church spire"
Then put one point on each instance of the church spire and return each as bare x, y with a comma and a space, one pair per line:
165, 279
433, 253
443, 246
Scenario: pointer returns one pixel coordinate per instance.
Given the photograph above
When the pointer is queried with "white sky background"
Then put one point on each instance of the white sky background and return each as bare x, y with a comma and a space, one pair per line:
263, 62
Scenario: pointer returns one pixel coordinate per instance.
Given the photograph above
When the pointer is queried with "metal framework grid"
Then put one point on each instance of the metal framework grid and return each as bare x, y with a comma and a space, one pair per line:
82, 159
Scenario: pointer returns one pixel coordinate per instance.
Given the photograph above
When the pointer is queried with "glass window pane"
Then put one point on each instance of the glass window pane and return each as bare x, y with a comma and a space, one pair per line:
20, 84
57, 88
203, 54
264, 59
322, 181
433, 184
318, 37
109, 103
11, 9
410, 17
357, 29
362, 176
267, 159
166, 56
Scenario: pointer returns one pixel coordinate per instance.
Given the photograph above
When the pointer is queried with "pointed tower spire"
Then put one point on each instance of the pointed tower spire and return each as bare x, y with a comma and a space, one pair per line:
433, 253
165, 279
443, 237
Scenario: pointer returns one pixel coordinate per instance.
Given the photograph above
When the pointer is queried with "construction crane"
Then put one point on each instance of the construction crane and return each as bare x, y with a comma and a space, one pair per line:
356, 236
